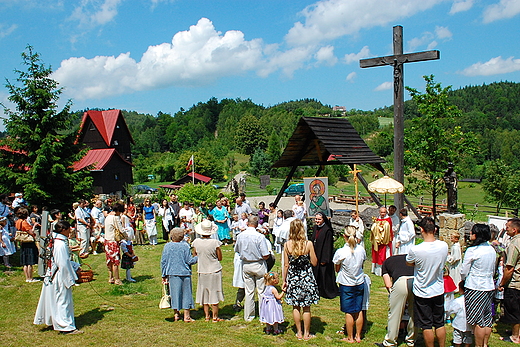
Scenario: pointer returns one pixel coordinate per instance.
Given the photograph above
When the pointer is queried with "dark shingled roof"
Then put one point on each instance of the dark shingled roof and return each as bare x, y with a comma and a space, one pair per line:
319, 140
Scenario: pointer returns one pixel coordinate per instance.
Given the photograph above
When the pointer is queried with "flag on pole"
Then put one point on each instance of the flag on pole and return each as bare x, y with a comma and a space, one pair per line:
190, 163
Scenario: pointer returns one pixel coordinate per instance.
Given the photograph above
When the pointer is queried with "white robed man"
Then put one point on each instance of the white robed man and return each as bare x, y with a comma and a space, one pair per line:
406, 237
56, 306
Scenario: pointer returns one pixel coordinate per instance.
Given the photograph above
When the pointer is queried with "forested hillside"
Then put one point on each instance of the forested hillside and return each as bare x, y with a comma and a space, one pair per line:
216, 131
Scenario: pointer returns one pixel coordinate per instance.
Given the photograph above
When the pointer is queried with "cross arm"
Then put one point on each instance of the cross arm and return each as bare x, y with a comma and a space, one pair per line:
400, 58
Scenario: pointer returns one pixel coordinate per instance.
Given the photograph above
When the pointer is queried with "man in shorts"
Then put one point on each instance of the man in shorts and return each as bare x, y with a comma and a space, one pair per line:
511, 281
429, 258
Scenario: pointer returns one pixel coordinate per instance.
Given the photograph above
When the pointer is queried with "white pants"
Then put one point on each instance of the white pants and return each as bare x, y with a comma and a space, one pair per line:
84, 235
253, 273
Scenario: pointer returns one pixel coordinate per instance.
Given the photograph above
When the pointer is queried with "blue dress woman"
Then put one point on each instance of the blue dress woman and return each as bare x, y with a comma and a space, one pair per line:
221, 216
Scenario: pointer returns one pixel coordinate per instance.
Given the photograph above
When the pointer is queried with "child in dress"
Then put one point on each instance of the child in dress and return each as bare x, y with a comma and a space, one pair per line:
7, 247
128, 258
235, 228
271, 312
449, 290
74, 246
276, 231
454, 259
242, 223
300, 213
461, 329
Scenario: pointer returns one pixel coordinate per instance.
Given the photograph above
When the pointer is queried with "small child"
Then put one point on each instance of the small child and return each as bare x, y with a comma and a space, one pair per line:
271, 312
242, 223
235, 228
7, 247
461, 329
128, 258
455, 257
276, 231
449, 290
139, 228
300, 213
74, 246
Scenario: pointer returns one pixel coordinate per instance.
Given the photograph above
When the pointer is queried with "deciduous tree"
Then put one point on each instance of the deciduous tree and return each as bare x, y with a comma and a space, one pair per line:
432, 141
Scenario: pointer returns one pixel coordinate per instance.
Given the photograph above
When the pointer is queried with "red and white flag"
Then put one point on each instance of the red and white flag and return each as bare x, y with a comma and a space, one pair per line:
190, 163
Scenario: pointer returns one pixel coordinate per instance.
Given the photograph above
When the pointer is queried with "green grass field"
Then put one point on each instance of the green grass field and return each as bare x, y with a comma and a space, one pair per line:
128, 315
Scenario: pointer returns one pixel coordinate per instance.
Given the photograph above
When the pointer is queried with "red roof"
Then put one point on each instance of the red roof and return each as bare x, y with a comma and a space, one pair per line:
200, 177
99, 158
105, 122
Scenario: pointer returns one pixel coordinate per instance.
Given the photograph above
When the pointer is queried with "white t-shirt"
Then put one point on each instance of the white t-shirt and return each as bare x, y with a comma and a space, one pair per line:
351, 271
429, 259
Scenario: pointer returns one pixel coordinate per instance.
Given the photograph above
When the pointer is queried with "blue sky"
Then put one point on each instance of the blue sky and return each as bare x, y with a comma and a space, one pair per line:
161, 55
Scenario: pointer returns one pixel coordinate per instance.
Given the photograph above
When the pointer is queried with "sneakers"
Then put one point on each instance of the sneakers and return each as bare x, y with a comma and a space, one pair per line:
131, 280
32, 280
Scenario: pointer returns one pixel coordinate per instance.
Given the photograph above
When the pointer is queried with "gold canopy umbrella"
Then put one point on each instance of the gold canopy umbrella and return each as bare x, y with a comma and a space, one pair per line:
386, 185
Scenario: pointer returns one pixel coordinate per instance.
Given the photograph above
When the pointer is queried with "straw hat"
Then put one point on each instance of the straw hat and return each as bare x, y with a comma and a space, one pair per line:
206, 228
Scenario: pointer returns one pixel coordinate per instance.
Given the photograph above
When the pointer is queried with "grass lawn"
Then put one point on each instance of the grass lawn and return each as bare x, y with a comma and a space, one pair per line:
128, 315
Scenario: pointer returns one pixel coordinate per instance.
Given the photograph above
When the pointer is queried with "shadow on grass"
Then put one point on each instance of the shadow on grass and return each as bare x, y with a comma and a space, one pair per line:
90, 317
141, 278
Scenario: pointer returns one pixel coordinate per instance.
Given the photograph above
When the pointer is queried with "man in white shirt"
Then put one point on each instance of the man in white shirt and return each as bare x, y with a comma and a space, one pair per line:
406, 237
429, 258
242, 207
99, 225
83, 227
187, 215
253, 251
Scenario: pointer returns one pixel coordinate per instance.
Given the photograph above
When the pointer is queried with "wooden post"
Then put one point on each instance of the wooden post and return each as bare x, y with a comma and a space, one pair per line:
397, 60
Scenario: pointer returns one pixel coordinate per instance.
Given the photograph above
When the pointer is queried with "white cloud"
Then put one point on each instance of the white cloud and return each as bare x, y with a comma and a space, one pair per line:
325, 55
92, 13
195, 57
6, 31
443, 33
461, 6
351, 76
355, 57
428, 39
328, 19
501, 10
494, 66
384, 86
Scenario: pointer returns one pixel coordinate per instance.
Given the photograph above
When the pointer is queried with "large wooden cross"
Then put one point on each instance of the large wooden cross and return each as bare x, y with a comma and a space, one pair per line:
397, 60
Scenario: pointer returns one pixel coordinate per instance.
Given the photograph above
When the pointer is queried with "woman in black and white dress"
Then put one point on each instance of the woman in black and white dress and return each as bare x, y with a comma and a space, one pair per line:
477, 271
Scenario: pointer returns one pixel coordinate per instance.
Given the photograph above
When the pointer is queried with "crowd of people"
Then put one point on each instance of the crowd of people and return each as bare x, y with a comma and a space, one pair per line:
429, 283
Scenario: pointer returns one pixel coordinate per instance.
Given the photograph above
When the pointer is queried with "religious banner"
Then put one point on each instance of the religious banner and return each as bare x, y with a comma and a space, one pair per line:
317, 195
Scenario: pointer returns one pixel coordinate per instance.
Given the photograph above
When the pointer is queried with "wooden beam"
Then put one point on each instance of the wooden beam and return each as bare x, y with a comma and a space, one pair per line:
400, 59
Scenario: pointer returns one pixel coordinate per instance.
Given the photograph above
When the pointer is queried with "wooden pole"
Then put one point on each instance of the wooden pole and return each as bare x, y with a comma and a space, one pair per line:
398, 115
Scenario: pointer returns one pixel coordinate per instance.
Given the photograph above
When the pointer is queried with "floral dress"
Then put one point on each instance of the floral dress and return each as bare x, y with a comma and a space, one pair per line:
302, 289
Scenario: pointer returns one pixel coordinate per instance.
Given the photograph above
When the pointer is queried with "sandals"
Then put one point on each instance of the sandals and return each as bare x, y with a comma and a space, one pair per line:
176, 318
189, 320
277, 332
311, 336
111, 280
118, 282
216, 320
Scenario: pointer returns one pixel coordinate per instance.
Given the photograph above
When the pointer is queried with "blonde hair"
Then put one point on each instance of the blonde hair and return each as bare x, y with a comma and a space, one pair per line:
350, 234
297, 236
456, 235
270, 277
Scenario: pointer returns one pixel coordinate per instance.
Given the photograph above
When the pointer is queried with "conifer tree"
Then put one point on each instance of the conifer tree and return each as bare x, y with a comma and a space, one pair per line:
38, 154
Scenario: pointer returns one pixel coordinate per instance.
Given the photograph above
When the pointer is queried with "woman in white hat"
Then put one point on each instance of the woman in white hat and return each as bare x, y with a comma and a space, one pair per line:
209, 287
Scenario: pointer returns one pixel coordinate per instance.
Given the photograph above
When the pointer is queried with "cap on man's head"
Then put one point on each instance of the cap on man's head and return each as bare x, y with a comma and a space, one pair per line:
18, 194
